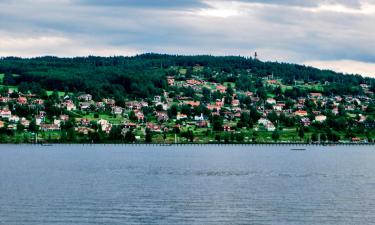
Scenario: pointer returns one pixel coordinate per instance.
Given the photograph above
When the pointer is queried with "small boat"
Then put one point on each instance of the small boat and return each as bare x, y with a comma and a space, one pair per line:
165, 144
44, 144
298, 149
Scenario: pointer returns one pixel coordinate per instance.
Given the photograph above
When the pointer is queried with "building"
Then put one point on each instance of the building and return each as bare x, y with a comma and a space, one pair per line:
85, 97
300, 113
320, 118
5, 114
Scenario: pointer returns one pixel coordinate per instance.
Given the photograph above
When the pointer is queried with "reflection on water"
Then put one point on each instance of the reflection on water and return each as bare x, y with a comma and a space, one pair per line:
109, 184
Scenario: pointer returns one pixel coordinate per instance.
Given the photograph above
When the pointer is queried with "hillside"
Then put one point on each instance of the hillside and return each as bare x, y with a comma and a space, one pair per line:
166, 99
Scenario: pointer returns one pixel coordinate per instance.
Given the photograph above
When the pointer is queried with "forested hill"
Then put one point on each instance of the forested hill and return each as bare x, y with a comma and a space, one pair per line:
145, 75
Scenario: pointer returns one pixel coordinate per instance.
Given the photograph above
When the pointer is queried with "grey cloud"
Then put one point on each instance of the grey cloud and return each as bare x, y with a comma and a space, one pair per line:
146, 3
308, 3
285, 33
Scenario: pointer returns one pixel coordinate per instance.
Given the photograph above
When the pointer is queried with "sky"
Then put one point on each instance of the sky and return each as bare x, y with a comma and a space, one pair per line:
332, 34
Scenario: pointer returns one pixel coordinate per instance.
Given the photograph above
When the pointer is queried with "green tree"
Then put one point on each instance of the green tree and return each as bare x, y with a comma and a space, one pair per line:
148, 136
275, 135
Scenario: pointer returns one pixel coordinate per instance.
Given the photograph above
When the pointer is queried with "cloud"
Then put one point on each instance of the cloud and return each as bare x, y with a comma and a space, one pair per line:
145, 3
346, 66
290, 30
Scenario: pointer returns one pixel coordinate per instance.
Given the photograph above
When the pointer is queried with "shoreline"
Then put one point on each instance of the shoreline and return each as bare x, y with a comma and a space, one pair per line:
195, 144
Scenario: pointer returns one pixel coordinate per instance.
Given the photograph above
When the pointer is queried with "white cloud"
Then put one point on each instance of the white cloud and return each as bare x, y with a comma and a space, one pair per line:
346, 66
51, 45
284, 30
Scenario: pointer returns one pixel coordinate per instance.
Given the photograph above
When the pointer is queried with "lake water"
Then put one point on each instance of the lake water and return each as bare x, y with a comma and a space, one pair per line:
109, 184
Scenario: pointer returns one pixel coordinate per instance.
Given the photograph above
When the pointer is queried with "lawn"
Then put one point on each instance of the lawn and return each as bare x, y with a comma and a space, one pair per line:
61, 93
113, 120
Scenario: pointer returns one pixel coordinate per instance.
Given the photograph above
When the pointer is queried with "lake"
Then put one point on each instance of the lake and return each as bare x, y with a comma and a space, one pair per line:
124, 184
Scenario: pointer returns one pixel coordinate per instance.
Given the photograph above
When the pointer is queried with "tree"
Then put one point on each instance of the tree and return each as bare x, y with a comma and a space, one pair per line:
217, 123
148, 136
132, 116
172, 111
9, 79
301, 132
129, 136
275, 135
314, 137
32, 126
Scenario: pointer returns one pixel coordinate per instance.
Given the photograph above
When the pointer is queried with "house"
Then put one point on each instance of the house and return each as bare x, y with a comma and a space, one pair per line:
22, 100
300, 113
49, 127
83, 130
38, 120
4, 99
64, 117
25, 122
335, 111
267, 124
69, 105
270, 127
139, 114
84, 122
85, 97
105, 125
100, 104
227, 127
57, 122
271, 101
278, 107
84, 105
154, 127
320, 118
219, 103
221, 88
249, 93
38, 102
214, 108
162, 116
181, 116
130, 125
193, 103
14, 119
315, 95
117, 110
157, 98
193, 82
305, 121
202, 123
5, 114
235, 102
109, 102
12, 127
199, 118
362, 118
2, 124
170, 81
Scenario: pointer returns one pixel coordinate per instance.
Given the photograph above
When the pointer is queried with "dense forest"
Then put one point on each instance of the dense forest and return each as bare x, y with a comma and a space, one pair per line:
144, 75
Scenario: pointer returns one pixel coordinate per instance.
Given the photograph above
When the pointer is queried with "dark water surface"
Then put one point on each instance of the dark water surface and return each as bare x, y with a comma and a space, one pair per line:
109, 184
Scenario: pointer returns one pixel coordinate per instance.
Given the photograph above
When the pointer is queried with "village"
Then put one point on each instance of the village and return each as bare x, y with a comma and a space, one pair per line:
191, 110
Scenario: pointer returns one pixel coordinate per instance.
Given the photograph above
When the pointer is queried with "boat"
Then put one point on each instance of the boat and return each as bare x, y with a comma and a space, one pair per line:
46, 145
298, 149
165, 144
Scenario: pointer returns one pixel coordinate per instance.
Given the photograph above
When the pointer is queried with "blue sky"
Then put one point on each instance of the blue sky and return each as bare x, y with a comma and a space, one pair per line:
324, 33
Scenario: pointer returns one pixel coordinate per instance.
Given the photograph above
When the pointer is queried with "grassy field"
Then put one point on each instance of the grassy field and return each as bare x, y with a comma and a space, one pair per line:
13, 88
61, 93
112, 119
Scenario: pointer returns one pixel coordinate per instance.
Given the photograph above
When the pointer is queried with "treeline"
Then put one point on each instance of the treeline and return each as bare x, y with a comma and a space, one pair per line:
144, 75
